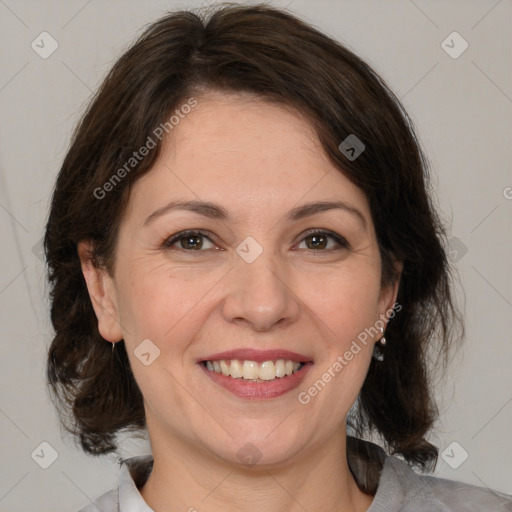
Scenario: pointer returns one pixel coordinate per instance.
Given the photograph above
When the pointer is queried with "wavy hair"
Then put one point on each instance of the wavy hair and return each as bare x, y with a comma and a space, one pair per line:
278, 58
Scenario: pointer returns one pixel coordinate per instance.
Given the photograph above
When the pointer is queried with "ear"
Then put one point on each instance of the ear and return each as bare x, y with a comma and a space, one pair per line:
102, 293
389, 294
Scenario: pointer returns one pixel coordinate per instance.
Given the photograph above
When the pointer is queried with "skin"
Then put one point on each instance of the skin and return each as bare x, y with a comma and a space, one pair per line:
258, 161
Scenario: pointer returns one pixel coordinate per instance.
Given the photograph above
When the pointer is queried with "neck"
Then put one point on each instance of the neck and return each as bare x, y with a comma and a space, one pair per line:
186, 478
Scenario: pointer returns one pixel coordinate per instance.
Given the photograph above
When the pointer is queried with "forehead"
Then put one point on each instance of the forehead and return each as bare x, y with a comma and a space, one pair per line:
238, 150
242, 129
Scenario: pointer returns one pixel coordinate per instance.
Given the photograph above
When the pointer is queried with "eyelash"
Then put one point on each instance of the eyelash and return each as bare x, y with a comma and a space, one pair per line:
170, 241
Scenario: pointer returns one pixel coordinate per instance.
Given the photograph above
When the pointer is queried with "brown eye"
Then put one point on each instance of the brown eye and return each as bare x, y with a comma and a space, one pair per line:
191, 241
321, 241
315, 242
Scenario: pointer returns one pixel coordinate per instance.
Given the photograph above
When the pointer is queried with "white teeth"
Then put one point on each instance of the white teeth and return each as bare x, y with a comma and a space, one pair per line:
280, 368
267, 370
224, 367
251, 370
235, 369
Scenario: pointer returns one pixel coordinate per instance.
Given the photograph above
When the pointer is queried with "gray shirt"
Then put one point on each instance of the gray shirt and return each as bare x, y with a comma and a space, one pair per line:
395, 486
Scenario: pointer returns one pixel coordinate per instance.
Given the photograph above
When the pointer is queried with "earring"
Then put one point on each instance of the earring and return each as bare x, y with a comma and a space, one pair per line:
113, 346
377, 348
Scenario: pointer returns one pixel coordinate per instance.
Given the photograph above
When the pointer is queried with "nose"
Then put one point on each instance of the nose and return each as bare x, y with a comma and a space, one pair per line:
260, 294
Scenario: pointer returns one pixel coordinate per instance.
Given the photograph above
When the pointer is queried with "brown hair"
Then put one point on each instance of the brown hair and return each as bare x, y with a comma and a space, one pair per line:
272, 54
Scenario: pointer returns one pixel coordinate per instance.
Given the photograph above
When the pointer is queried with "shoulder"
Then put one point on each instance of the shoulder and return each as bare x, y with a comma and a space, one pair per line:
412, 492
126, 497
108, 502
466, 497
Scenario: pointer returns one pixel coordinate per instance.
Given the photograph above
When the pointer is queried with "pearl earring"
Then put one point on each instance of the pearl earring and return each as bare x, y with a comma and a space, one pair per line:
377, 349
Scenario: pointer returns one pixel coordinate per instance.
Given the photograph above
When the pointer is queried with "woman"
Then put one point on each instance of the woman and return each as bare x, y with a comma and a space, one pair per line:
244, 260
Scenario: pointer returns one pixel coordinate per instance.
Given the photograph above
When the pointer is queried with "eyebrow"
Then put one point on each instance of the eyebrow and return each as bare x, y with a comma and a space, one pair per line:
212, 210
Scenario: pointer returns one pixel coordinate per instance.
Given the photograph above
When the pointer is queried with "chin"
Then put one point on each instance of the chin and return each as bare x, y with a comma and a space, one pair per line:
258, 446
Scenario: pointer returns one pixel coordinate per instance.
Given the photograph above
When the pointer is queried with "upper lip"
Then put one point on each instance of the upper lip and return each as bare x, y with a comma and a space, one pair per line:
259, 356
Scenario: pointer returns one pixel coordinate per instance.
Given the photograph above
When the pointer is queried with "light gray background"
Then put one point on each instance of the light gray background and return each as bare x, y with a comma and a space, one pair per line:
462, 108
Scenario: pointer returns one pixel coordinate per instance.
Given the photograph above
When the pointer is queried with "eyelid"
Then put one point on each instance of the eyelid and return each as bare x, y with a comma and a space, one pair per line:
340, 240
173, 239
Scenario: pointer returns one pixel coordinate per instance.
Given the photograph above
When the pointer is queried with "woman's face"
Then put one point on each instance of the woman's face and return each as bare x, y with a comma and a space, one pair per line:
267, 277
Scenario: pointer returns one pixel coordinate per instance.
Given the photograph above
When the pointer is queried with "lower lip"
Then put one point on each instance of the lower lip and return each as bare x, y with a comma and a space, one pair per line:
259, 390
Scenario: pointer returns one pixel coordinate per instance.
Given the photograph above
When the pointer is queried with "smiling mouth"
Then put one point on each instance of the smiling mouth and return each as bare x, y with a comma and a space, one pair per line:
252, 371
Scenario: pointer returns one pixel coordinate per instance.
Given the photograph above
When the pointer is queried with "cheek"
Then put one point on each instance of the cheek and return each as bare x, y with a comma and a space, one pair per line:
345, 311
162, 305
168, 311
346, 302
